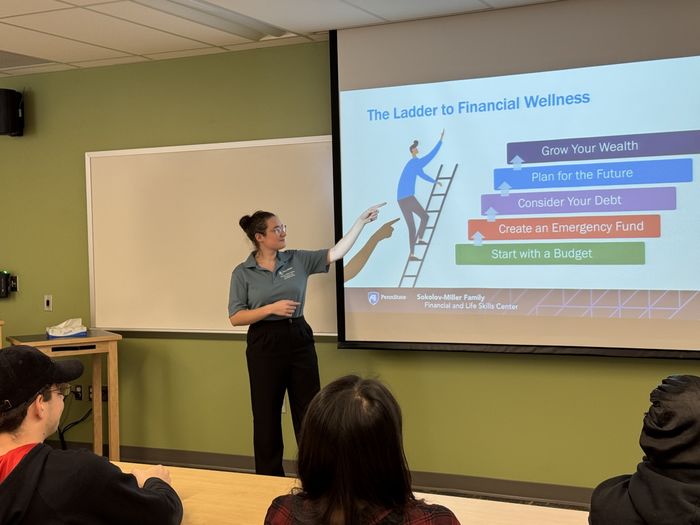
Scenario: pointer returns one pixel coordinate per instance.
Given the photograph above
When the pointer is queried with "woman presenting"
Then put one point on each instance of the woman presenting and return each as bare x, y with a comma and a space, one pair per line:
267, 292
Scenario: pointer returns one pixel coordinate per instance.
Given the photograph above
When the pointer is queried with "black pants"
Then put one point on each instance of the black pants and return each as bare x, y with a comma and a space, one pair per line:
281, 357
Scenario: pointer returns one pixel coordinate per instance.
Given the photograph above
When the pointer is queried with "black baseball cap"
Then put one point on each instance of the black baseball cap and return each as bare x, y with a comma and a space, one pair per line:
24, 371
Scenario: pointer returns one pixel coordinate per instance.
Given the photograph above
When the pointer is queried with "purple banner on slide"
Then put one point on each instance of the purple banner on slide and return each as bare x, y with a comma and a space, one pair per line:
603, 200
611, 147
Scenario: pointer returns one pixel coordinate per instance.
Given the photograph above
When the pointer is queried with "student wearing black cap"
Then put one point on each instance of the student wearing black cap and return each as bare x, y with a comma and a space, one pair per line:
39, 485
665, 489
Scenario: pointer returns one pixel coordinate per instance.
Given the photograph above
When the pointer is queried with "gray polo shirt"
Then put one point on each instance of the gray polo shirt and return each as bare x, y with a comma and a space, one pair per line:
253, 286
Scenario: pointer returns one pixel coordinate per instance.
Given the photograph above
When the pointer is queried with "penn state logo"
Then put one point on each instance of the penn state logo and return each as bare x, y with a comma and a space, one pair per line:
373, 297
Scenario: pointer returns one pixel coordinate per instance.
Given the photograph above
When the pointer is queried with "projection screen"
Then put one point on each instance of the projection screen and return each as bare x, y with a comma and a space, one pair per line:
539, 168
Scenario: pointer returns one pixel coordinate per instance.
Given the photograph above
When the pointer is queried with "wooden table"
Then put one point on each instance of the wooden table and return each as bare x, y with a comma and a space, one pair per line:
96, 343
221, 498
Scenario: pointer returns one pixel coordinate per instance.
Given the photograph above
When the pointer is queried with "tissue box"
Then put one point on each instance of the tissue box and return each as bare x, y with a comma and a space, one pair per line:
69, 328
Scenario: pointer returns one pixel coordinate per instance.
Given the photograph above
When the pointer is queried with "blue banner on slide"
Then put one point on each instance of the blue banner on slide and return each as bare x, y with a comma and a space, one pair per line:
594, 174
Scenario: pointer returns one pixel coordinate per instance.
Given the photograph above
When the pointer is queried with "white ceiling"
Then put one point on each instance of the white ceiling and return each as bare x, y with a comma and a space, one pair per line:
38, 36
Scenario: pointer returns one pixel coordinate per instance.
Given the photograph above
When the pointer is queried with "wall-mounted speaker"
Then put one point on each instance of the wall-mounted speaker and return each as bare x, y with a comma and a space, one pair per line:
4, 283
11, 113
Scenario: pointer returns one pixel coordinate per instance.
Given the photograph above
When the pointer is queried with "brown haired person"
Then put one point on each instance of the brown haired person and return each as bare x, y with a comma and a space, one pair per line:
665, 489
42, 486
267, 292
352, 466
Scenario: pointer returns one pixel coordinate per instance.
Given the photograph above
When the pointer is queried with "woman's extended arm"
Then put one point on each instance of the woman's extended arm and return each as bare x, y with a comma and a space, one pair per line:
358, 261
343, 245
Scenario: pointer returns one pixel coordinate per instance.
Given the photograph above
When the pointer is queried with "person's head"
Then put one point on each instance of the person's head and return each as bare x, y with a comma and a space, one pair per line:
351, 449
413, 148
264, 229
671, 431
32, 385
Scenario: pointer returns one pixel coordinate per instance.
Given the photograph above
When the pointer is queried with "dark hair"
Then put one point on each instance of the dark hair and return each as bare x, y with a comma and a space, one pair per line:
13, 418
413, 146
351, 460
256, 223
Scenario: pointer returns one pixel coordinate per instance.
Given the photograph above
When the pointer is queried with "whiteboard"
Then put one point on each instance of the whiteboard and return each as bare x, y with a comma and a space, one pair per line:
163, 233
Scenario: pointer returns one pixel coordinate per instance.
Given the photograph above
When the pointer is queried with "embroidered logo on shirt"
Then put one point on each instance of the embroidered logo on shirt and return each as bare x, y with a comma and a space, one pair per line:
287, 273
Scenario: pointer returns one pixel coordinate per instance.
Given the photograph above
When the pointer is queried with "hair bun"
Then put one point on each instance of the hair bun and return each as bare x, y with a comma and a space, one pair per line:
245, 222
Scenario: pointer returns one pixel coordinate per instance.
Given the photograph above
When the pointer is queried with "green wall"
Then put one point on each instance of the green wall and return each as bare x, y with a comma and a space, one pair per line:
563, 420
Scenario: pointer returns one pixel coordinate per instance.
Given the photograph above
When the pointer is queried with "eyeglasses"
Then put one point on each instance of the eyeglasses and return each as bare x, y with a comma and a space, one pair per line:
64, 389
279, 230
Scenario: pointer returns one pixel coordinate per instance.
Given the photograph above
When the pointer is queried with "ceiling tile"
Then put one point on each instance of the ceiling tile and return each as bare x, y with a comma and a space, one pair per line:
500, 4
397, 10
303, 16
23, 7
16, 60
40, 45
172, 24
83, 3
103, 30
111, 61
45, 68
188, 53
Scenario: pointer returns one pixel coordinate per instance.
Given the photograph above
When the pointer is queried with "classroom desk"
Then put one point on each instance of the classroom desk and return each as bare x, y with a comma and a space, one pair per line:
221, 498
96, 343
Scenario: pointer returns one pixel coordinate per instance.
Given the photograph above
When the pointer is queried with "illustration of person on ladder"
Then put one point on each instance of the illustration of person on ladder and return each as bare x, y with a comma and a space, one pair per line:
406, 194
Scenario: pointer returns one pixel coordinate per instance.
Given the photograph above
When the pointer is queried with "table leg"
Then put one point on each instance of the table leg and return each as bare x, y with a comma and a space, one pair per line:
97, 404
113, 401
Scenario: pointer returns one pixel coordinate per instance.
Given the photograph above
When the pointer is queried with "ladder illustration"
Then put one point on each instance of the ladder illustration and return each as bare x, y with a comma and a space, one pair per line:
436, 201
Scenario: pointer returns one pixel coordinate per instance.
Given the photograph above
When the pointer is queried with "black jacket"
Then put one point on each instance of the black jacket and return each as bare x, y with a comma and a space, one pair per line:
52, 487
665, 490
651, 496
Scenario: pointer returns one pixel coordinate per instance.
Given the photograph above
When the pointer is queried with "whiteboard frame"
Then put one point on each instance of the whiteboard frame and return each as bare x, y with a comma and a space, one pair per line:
90, 155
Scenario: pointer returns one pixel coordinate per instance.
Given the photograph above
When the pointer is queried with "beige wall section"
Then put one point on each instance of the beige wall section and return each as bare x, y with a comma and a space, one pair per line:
547, 419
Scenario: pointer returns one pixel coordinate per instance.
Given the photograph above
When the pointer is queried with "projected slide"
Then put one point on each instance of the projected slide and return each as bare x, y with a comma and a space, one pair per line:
562, 193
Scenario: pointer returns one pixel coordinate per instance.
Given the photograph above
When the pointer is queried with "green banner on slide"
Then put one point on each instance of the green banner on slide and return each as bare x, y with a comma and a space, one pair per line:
551, 253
